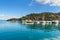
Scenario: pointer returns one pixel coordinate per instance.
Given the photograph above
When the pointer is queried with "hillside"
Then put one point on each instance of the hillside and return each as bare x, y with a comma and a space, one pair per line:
47, 16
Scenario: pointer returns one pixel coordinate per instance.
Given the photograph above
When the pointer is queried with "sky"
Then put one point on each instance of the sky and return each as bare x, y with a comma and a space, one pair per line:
18, 8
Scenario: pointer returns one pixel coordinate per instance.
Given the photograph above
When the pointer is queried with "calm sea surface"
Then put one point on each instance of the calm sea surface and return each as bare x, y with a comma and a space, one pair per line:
18, 31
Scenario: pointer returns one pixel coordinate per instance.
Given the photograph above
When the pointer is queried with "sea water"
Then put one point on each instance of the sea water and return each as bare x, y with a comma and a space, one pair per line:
18, 31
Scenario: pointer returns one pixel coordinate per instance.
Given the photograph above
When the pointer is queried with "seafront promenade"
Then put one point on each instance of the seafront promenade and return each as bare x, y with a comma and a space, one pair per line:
41, 22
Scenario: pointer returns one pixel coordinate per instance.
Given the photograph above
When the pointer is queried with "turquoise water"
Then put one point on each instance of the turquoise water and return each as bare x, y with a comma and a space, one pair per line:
18, 31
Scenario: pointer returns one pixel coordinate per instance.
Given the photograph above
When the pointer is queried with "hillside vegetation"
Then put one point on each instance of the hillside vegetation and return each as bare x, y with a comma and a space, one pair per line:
47, 16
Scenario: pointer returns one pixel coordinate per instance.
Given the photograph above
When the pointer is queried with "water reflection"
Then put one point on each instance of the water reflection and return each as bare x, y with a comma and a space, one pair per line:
45, 28
52, 27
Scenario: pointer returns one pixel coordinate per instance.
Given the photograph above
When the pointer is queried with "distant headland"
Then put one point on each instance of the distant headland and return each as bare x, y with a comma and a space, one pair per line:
38, 18
46, 16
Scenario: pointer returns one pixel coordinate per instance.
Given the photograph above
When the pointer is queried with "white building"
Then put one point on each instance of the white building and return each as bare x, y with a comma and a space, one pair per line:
40, 22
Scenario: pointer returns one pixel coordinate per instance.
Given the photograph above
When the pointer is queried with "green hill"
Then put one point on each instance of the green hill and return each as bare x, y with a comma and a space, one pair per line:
47, 16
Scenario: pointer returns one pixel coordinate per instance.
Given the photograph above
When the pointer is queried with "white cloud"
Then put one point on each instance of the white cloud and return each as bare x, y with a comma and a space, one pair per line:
50, 2
5, 17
